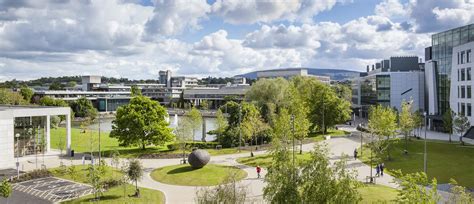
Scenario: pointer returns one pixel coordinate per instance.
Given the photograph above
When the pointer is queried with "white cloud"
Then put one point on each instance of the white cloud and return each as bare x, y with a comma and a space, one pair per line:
173, 17
391, 9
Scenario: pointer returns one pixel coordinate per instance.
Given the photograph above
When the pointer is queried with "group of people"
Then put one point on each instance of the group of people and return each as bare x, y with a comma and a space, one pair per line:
379, 169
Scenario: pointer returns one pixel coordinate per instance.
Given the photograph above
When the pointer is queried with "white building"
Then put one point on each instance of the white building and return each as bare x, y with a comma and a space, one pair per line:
462, 83
21, 127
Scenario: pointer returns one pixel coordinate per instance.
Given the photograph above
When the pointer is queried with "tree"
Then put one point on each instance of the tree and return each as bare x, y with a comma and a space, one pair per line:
56, 86
5, 188
448, 122
418, 120
94, 177
268, 91
48, 101
226, 192
459, 194
299, 110
71, 84
281, 179
461, 125
115, 161
343, 91
184, 134
382, 123
327, 109
135, 91
82, 107
322, 182
7, 97
413, 188
204, 105
26, 92
221, 124
252, 123
407, 122
141, 122
135, 172
195, 119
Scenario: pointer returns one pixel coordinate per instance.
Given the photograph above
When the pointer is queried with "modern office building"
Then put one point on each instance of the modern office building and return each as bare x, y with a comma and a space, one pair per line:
389, 83
288, 73
462, 83
216, 96
25, 131
439, 62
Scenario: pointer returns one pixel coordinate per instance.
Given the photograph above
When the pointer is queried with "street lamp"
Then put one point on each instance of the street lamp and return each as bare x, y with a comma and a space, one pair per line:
425, 155
17, 135
359, 127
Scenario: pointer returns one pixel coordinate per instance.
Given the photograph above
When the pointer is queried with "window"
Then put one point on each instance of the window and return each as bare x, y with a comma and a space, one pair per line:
462, 57
458, 91
463, 92
463, 109
468, 56
468, 89
463, 74
468, 109
458, 74
458, 58
468, 74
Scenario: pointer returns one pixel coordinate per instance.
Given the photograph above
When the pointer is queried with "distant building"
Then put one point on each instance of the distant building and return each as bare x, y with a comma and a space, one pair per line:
91, 83
215, 96
390, 83
289, 73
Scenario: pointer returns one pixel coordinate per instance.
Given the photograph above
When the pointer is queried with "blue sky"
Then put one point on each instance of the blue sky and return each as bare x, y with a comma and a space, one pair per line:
137, 38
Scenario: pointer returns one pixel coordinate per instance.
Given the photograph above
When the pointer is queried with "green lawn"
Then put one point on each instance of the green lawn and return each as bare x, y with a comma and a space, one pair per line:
316, 137
377, 194
183, 174
81, 142
445, 160
115, 194
266, 160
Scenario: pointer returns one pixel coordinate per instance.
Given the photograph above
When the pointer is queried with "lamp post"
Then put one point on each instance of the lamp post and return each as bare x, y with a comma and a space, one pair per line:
99, 141
240, 127
359, 127
17, 135
425, 154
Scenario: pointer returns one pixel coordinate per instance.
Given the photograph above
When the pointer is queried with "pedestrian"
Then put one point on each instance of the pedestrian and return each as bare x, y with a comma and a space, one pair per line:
377, 169
258, 171
355, 154
382, 166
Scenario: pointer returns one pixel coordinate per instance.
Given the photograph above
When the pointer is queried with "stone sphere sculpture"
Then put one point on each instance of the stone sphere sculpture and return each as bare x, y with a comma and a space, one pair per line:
198, 158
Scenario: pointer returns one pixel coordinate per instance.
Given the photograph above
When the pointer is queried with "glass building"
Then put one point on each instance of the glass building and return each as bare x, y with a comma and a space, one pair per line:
441, 53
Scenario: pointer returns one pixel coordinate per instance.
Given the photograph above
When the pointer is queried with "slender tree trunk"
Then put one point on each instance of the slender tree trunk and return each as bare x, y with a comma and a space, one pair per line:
143, 146
450, 137
301, 146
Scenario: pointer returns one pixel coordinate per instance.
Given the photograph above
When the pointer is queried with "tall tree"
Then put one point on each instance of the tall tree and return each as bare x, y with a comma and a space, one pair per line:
141, 122
8, 97
299, 110
83, 107
406, 121
461, 124
252, 123
26, 92
184, 134
343, 91
268, 91
135, 91
459, 194
135, 172
327, 109
382, 123
448, 122
221, 124
195, 119
413, 188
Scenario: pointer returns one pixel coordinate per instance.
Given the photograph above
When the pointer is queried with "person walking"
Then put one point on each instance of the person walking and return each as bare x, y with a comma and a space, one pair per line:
377, 170
355, 154
258, 171
382, 166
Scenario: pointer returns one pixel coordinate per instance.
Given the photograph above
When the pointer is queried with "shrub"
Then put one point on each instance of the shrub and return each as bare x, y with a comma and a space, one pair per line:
110, 183
38, 173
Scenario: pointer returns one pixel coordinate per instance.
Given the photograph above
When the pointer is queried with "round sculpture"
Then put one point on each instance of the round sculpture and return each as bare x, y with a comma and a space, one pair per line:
199, 158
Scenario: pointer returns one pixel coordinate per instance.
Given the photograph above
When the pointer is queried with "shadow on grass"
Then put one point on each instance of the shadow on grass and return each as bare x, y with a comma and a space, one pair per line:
103, 198
179, 170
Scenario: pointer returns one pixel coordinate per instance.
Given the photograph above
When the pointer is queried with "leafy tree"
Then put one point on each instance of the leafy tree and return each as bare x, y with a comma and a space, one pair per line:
195, 120
135, 91
343, 91
269, 91
406, 120
322, 182
300, 110
252, 123
327, 109
459, 194
226, 192
221, 124
448, 122
115, 161
5, 189
48, 101
72, 171
281, 179
418, 120
82, 107
184, 134
135, 172
413, 188
56, 86
94, 177
141, 122
232, 108
204, 105
461, 125
382, 123
27, 93
71, 84
7, 97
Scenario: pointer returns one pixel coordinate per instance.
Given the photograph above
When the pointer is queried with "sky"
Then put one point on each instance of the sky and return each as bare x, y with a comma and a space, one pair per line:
136, 39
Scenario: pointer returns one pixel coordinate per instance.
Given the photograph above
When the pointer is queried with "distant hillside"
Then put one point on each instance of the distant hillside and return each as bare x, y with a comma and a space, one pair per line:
335, 74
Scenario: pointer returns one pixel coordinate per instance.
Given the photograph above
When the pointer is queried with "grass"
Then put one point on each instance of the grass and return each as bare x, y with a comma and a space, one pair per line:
316, 137
185, 175
265, 160
377, 194
445, 160
115, 194
81, 142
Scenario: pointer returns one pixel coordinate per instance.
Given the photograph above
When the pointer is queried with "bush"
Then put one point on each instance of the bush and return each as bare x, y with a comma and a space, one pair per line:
38, 173
190, 145
110, 183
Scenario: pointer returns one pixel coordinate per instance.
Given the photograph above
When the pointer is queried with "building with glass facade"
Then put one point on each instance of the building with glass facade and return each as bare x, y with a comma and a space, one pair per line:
25, 131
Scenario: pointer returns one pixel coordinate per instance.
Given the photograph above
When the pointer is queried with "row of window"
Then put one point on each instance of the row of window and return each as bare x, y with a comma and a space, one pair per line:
464, 91
464, 74
465, 109
464, 57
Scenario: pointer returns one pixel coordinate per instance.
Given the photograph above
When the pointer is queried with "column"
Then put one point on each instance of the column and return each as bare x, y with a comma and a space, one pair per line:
68, 134
48, 133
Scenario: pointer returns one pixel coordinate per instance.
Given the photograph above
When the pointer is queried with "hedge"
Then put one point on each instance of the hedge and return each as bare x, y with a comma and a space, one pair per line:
190, 145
